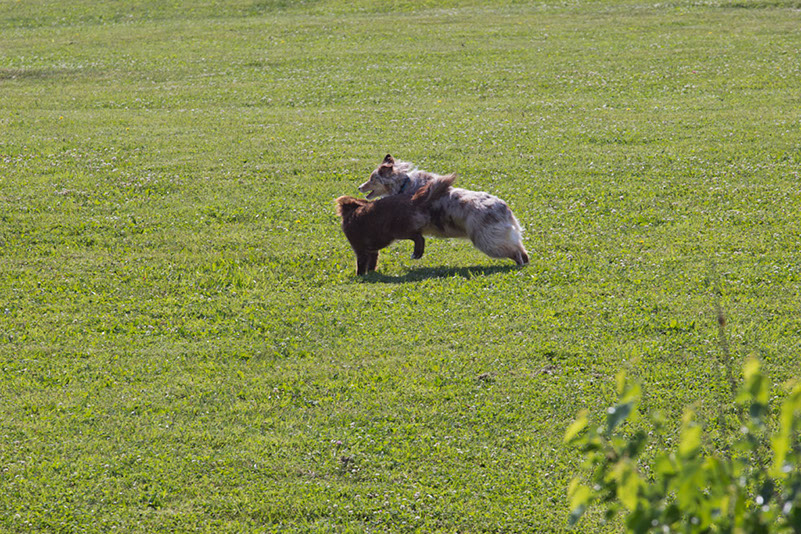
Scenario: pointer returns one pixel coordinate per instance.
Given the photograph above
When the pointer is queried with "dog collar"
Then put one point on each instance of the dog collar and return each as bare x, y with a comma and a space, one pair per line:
404, 184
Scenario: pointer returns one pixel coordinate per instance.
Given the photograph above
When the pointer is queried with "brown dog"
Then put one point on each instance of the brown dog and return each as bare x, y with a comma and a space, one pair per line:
371, 226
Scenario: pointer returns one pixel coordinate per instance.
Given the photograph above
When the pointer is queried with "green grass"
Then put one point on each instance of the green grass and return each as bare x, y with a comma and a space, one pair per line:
184, 345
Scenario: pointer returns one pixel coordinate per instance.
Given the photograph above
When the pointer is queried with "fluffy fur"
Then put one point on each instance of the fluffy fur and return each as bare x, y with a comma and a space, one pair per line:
483, 218
371, 226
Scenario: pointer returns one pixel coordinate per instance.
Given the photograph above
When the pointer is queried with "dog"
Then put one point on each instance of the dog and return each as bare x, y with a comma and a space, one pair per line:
371, 226
483, 218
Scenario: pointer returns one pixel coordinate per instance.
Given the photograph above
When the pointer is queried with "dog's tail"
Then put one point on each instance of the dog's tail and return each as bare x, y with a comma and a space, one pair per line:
433, 190
346, 205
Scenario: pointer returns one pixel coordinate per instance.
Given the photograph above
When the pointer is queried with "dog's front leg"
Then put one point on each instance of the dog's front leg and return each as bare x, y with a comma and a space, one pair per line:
362, 262
373, 261
419, 246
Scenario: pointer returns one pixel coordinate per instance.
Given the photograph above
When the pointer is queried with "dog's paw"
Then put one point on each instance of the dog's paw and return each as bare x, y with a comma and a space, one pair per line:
416, 256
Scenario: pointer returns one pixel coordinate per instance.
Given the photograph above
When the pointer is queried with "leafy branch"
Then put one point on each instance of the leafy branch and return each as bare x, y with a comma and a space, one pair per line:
690, 490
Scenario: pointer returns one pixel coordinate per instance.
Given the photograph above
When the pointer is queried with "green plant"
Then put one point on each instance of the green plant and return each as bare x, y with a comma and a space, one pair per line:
690, 490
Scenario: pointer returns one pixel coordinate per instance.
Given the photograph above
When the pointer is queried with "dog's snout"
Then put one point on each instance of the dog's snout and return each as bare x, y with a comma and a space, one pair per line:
363, 188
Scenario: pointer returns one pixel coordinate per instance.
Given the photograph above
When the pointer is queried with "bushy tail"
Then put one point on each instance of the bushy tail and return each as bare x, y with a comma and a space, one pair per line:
433, 190
346, 205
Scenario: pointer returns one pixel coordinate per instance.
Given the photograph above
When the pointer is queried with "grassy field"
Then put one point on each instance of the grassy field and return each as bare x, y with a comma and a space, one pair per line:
184, 345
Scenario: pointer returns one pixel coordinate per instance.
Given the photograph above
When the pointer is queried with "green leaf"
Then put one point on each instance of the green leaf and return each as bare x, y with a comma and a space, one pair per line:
795, 396
616, 415
757, 412
579, 495
632, 394
576, 514
636, 444
690, 440
718, 470
628, 486
750, 369
781, 445
621, 381
786, 418
756, 388
790, 406
576, 426
627, 391
690, 484
665, 466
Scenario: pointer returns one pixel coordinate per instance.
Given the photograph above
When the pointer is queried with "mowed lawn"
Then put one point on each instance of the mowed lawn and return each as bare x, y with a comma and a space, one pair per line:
184, 345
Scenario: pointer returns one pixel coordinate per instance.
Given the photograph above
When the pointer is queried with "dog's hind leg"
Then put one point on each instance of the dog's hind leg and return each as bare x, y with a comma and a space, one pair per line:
372, 261
419, 246
500, 241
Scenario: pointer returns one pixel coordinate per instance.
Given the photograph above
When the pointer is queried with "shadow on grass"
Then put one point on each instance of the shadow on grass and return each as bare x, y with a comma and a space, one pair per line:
424, 273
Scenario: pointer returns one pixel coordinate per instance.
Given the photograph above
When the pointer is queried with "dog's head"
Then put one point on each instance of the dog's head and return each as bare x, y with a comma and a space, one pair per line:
384, 180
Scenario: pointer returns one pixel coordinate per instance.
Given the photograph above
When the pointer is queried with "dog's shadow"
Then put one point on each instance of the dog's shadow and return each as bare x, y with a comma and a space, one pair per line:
424, 273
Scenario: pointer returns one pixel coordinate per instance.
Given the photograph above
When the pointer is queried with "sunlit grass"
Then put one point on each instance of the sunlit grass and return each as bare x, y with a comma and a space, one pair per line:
184, 344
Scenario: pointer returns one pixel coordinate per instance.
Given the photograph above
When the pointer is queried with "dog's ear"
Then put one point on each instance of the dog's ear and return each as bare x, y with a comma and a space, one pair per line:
385, 169
389, 160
